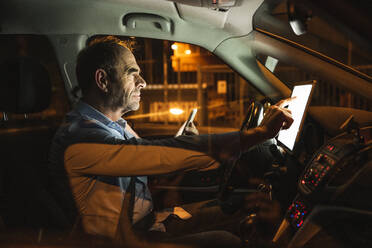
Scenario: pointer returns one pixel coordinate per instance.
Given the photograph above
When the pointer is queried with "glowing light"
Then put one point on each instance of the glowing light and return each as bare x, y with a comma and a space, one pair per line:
174, 47
188, 51
176, 111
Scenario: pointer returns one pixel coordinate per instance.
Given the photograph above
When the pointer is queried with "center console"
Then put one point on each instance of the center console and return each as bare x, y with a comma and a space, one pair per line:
331, 174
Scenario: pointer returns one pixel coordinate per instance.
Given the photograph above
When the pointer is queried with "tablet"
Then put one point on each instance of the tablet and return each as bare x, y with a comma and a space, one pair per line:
298, 106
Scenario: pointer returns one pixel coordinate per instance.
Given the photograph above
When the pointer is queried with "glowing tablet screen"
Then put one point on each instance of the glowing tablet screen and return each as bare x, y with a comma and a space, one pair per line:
297, 106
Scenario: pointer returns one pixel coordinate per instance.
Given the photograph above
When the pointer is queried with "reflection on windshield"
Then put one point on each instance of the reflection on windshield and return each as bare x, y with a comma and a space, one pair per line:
324, 38
326, 93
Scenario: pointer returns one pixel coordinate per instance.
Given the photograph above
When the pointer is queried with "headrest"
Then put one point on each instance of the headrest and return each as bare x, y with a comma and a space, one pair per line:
24, 86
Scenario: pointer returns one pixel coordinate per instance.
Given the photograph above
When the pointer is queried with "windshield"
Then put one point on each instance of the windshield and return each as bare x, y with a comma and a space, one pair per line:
332, 45
326, 39
326, 93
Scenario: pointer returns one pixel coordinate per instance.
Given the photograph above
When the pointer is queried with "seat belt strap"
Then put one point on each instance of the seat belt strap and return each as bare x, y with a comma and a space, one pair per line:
125, 232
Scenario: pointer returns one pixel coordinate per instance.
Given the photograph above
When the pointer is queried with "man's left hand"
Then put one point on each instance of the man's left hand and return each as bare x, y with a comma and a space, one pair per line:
191, 129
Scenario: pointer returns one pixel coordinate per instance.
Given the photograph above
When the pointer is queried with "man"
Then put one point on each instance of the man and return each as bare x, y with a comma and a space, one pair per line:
102, 156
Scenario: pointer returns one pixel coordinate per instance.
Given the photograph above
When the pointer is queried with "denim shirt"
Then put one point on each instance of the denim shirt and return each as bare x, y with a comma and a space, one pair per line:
78, 121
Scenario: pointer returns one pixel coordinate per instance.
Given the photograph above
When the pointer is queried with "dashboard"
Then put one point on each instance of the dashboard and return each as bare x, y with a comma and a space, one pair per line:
326, 179
334, 184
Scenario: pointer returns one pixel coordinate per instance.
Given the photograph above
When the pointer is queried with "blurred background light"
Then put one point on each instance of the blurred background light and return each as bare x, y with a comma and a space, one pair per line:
176, 111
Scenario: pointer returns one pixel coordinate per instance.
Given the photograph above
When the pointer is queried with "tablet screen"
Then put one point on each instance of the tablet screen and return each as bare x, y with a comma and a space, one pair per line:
297, 106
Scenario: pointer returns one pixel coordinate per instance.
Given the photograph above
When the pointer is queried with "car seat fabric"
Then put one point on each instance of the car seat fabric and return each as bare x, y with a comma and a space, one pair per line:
25, 88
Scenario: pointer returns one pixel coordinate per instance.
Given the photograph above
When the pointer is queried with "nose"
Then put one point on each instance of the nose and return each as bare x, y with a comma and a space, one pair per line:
140, 83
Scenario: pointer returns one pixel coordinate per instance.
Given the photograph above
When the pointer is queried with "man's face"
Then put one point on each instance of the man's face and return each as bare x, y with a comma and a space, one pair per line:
125, 87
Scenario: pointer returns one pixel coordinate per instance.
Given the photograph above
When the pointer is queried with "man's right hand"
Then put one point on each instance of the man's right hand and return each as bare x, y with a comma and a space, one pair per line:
276, 117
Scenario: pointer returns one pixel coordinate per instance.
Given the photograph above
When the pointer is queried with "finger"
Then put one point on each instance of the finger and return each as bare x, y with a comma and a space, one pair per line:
192, 125
191, 129
287, 120
285, 102
275, 110
286, 110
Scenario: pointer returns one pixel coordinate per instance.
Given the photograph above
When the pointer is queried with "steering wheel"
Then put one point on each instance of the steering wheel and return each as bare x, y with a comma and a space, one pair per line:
251, 120
253, 117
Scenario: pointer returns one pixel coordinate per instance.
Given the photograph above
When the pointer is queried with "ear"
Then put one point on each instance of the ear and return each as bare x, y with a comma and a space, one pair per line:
101, 79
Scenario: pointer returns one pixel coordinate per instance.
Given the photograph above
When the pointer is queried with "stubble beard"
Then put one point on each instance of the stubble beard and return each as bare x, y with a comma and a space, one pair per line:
117, 99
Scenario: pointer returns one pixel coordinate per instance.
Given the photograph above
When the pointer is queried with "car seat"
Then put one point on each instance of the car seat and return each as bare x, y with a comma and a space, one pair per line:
25, 201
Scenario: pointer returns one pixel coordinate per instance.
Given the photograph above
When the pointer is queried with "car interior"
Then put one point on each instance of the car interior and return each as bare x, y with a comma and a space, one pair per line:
249, 54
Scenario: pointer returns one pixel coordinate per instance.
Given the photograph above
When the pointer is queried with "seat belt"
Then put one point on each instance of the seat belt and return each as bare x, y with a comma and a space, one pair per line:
125, 233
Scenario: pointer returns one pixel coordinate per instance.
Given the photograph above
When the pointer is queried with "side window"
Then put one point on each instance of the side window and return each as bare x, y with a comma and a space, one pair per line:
38, 48
181, 77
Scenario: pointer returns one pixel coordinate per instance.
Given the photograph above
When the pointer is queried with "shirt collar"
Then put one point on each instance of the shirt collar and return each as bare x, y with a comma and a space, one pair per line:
86, 109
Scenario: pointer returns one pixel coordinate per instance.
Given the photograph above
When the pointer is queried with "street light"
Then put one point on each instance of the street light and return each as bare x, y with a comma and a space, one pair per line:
176, 111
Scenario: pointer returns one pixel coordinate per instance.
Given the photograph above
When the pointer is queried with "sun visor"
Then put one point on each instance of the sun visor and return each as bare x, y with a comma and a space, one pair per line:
147, 22
211, 4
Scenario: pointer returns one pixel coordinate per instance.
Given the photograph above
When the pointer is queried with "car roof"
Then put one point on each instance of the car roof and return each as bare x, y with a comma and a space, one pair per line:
69, 23
227, 32
181, 22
